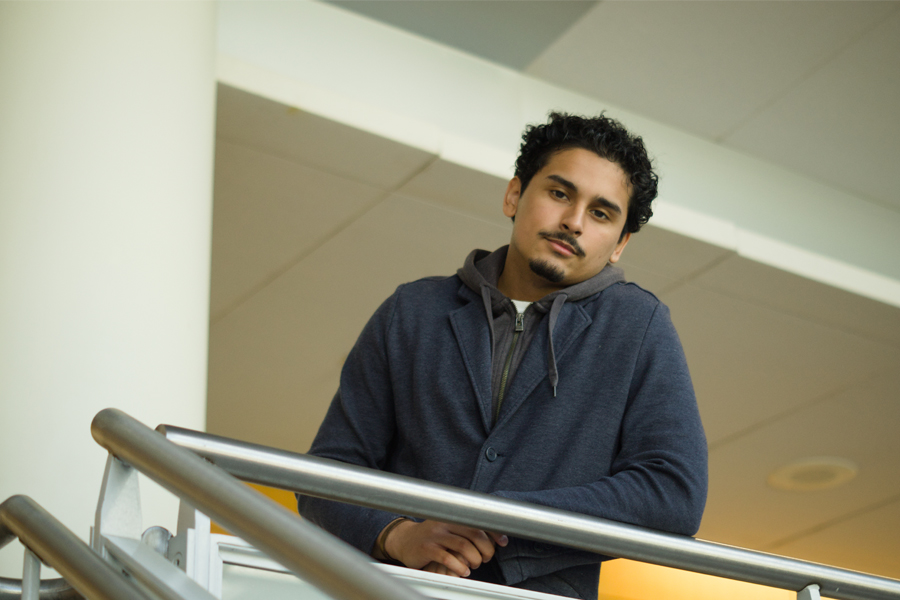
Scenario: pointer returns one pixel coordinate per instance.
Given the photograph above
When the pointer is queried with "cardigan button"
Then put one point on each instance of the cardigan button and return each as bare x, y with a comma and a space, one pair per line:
491, 454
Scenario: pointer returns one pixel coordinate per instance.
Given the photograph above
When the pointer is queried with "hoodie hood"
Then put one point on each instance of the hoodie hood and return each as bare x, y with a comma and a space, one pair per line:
481, 272
483, 268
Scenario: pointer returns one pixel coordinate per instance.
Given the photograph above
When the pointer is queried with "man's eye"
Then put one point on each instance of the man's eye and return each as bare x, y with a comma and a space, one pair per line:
599, 214
558, 194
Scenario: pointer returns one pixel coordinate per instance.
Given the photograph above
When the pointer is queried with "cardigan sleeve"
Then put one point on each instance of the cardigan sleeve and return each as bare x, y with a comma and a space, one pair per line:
658, 478
358, 429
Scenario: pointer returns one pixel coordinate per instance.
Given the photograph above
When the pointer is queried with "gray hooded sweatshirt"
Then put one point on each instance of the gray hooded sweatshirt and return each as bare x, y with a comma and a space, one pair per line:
511, 333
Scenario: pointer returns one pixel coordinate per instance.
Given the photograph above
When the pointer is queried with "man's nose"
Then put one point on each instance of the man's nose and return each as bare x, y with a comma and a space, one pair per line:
572, 220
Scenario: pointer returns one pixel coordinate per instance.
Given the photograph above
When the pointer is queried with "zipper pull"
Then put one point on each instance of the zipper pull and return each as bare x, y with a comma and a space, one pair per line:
520, 321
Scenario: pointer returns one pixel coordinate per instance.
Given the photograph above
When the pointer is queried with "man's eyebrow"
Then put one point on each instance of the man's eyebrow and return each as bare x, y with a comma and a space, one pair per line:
610, 205
574, 188
563, 182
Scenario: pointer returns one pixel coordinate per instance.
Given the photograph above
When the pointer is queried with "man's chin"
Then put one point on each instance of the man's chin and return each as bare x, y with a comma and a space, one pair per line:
547, 270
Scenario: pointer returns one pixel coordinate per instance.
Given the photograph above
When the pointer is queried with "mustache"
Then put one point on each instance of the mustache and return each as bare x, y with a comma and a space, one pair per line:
564, 237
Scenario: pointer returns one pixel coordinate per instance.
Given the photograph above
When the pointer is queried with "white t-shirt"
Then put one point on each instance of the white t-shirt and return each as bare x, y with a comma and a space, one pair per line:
521, 305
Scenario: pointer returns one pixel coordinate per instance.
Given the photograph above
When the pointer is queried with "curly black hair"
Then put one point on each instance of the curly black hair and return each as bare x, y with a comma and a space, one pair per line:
602, 135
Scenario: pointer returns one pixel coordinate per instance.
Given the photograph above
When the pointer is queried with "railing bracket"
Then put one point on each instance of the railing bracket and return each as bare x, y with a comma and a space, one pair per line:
810, 592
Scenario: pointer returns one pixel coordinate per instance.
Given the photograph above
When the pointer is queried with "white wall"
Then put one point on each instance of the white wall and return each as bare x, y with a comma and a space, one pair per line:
106, 152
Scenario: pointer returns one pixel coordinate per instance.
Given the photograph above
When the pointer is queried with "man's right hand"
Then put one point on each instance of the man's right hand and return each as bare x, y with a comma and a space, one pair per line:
431, 545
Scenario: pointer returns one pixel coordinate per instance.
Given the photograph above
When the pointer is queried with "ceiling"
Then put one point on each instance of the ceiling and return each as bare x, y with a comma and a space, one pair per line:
813, 86
315, 223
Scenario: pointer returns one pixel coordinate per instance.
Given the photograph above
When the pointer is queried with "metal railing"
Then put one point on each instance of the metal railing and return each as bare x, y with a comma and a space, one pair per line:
57, 546
320, 558
375, 489
49, 589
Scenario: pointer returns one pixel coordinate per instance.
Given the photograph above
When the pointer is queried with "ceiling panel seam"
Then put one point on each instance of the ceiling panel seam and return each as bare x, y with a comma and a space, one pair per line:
281, 156
832, 522
537, 56
695, 273
451, 209
754, 427
787, 313
722, 138
290, 264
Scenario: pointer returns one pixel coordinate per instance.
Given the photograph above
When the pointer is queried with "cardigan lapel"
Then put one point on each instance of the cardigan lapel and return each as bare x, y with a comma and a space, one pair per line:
572, 320
473, 336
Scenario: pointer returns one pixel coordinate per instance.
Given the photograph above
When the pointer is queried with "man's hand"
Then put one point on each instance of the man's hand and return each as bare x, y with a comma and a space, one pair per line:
441, 547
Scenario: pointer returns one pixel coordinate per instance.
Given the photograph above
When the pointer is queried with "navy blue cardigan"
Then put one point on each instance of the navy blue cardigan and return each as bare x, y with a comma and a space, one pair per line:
622, 439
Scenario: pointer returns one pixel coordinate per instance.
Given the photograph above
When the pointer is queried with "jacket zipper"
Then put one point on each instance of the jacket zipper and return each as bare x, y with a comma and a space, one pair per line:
520, 327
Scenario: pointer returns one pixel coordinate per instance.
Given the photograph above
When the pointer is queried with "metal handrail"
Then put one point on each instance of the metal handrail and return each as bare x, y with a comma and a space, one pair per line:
57, 546
321, 559
334, 480
50, 589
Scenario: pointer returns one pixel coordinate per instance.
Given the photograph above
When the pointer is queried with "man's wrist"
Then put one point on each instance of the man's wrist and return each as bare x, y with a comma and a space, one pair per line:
380, 552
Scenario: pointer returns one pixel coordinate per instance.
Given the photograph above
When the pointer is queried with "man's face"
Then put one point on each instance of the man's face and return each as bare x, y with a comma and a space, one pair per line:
569, 220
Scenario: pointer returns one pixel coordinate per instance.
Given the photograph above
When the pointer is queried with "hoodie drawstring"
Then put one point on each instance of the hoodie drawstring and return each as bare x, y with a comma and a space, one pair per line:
551, 323
486, 299
555, 309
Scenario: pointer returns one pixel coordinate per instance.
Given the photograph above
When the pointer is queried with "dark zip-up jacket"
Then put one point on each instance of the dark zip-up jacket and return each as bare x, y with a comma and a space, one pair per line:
621, 438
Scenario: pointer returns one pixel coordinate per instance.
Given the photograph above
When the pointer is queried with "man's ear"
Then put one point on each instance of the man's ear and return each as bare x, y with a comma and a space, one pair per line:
617, 253
511, 197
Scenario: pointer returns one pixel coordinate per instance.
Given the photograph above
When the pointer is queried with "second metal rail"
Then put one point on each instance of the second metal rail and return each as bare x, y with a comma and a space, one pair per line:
375, 489
52, 542
320, 558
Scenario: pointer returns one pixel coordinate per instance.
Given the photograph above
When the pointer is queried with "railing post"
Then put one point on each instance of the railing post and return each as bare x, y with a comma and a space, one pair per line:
189, 550
31, 576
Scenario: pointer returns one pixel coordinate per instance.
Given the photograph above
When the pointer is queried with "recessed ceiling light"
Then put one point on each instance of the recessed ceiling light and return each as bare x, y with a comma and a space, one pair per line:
813, 474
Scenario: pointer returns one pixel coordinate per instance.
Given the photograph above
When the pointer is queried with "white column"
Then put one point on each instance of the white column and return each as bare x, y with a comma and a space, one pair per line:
106, 152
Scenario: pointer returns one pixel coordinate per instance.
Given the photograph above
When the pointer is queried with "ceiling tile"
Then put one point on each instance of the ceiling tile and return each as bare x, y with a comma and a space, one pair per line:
858, 424
650, 280
461, 188
280, 351
269, 212
509, 33
868, 542
308, 139
750, 363
701, 66
671, 257
788, 293
840, 125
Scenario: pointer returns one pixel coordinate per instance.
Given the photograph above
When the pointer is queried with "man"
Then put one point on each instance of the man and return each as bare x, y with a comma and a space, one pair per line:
535, 373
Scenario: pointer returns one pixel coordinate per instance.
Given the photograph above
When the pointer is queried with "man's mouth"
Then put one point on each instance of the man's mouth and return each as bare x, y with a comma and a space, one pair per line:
563, 242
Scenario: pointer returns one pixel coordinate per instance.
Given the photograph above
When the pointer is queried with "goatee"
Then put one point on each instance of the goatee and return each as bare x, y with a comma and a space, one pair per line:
547, 270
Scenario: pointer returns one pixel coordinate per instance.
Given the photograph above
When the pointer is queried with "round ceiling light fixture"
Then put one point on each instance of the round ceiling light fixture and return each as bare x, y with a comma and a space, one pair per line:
813, 474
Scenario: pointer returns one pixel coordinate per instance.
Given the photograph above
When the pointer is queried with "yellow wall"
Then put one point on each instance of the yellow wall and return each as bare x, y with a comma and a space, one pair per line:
282, 497
629, 580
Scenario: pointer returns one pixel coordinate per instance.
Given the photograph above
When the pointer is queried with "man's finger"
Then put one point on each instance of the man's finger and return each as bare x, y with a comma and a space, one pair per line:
435, 567
463, 548
479, 539
454, 564
499, 539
